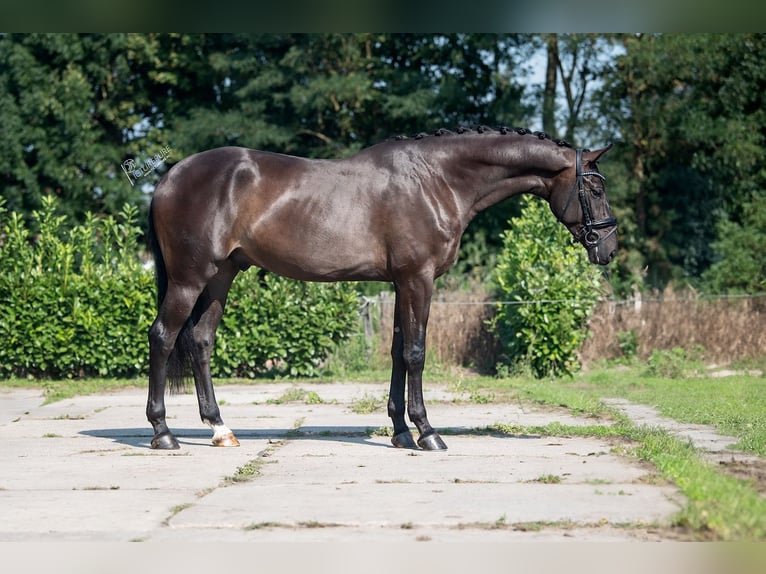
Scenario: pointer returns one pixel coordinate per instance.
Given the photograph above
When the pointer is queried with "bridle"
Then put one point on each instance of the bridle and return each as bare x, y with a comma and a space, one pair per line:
587, 234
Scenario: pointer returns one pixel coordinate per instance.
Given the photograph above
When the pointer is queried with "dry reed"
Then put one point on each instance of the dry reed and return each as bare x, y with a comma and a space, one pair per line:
457, 333
728, 329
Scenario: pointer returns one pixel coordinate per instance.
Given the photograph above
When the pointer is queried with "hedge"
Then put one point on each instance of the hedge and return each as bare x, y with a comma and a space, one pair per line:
76, 301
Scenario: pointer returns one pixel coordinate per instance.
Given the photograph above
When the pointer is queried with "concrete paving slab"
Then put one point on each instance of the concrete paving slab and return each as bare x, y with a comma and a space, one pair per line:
82, 469
481, 459
352, 483
15, 403
268, 534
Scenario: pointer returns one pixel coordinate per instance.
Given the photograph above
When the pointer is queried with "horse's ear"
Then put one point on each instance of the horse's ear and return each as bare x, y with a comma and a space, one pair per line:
595, 156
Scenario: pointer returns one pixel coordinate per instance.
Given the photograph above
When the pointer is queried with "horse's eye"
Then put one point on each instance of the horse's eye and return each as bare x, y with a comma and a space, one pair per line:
596, 192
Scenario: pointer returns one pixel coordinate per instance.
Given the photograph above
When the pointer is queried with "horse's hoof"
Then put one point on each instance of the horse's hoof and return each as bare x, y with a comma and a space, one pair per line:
432, 442
403, 440
222, 435
225, 440
165, 441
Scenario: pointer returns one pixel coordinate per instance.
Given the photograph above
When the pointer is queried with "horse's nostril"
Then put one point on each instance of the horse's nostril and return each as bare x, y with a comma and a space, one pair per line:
612, 255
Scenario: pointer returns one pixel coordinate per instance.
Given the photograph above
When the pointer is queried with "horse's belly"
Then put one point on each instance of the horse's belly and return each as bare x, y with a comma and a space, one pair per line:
309, 257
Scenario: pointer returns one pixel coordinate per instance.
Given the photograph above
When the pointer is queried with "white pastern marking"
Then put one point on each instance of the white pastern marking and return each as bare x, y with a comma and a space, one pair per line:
219, 430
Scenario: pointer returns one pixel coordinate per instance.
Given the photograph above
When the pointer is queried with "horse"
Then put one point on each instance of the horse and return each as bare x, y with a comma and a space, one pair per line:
393, 212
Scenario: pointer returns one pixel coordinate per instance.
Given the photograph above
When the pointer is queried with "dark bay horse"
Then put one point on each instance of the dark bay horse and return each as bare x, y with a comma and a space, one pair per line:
392, 212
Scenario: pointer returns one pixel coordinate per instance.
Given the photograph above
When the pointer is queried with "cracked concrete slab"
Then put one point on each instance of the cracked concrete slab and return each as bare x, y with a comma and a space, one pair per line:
82, 469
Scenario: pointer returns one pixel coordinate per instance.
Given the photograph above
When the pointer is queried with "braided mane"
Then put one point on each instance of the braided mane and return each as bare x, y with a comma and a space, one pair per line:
503, 130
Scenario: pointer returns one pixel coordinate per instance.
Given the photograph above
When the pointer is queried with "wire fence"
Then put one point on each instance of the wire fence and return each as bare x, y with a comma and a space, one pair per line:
628, 301
729, 327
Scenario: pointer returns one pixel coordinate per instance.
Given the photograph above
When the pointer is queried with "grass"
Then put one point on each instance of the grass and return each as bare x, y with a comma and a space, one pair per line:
174, 511
57, 390
252, 469
245, 473
719, 506
297, 395
367, 404
548, 479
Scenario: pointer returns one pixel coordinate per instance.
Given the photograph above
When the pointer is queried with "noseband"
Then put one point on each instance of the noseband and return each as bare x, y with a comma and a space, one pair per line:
587, 234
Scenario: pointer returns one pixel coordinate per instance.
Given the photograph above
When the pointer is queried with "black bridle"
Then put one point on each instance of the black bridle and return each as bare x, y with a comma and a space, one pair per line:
587, 233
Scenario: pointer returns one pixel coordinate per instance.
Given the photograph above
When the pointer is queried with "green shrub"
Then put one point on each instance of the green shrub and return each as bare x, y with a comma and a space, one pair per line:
77, 302
675, 363
740, 252
627, 341
552, 289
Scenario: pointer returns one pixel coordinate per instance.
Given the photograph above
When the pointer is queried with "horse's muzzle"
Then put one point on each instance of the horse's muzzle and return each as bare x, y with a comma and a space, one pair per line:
599, 259
602, 249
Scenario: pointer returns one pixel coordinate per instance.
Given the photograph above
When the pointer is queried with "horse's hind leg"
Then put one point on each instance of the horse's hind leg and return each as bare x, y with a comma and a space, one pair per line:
206, 318
171, 317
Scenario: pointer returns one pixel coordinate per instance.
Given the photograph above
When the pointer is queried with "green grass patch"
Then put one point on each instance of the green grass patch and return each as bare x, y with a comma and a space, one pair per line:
380, 431
558, 429
297, 395
245, 473
719, 506
367, 404
252, 469
734, 405
57, 390
548, 479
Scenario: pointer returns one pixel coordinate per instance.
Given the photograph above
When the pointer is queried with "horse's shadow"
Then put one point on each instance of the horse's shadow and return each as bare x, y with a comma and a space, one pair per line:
142, 437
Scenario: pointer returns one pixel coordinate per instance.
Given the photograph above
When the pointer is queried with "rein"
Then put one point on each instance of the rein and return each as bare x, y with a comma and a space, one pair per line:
587, 233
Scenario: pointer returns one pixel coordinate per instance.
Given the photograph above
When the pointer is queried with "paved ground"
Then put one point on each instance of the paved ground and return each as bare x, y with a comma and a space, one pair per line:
81, 469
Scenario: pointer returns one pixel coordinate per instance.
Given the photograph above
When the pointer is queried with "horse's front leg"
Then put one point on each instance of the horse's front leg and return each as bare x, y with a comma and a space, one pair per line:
414, 297
397, 407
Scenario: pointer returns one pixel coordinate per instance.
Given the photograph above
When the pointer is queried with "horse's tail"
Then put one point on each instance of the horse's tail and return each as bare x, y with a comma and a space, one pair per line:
179, 361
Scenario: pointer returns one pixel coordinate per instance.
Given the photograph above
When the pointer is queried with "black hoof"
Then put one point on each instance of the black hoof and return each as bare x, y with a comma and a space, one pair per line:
432, 442
165, 441
403, 440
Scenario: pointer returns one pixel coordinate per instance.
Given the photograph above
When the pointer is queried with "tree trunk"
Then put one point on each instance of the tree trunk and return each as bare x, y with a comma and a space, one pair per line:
549, 92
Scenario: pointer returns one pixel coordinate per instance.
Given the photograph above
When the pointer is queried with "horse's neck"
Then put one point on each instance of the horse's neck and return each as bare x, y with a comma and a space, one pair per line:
507, 165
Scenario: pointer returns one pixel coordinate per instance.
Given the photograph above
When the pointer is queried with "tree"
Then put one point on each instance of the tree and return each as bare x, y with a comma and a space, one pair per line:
740, 252
574, 63
322, 95
73, 107
690, 110
551, 83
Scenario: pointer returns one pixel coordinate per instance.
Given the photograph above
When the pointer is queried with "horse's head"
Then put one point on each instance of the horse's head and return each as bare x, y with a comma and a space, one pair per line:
583, 208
